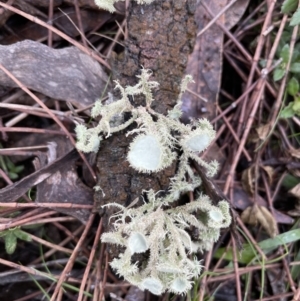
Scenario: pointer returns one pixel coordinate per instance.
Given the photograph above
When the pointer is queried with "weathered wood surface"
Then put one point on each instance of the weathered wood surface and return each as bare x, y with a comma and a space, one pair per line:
64, 74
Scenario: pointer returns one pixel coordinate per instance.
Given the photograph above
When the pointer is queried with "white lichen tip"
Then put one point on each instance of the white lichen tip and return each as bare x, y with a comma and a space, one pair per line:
153, 285
200, 138
137, 243
180, 285
109, 4
147, 154
87, 139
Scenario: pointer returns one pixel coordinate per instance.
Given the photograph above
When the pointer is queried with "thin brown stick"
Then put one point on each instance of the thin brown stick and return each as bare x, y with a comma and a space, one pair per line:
46, 205
104, 277
49, 244
204, 279
70, 263
236, 267
80, 25
216, 17
61, 244
50, 22
90, 261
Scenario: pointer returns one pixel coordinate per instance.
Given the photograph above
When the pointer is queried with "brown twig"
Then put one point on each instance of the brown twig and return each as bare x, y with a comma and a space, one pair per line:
70, 263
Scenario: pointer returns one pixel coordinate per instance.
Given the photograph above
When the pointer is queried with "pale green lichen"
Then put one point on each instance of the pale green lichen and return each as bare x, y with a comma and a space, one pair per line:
109, 4
163, 231
159, 228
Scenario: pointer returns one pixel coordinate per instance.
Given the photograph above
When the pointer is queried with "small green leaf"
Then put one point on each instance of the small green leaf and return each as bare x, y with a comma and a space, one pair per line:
12, 175
288, 111
285, 53
3, 233
289, 6
268, 245
10, 242
263, 63
295, 18
293, 86
19, 168
22, 235
290, 181
295, 68
278, 74
296, 105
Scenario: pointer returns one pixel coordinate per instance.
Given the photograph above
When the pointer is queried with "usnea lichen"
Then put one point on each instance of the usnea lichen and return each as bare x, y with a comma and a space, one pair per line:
164, 232
109, 4
158, 228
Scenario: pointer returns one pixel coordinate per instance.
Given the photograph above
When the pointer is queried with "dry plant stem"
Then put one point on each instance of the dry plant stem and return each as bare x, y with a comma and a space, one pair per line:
279, 98
47, 205
234, 134
49, 244
229, 34
278, 185
78, 15
242, 26
25, 89
5, 177
218, 15
257, 95
274, 47
90, 261
281, 251
256, 58
43, 221
64, 242
236, 158
246, 270
30, 296
277, 297
18, 118
28, 214
60, 295
297, 295
236, 268
4, 129
287, 270
104, 277
269, 197
235, 103
58, 32
219, 262
34, 110
98, 273
204, 279
11, 151
52, 220
197, 95
50, 22
70, 263
25, 221
256, 173
250, 237
115, 40
68, 233
32, 271
235, 66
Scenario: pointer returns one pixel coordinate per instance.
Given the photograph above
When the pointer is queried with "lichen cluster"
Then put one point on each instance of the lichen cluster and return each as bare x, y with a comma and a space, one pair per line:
164, 232
109, 4
158, 228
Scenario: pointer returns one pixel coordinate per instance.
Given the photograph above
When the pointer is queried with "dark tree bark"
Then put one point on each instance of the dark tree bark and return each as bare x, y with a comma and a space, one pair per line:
161, 37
